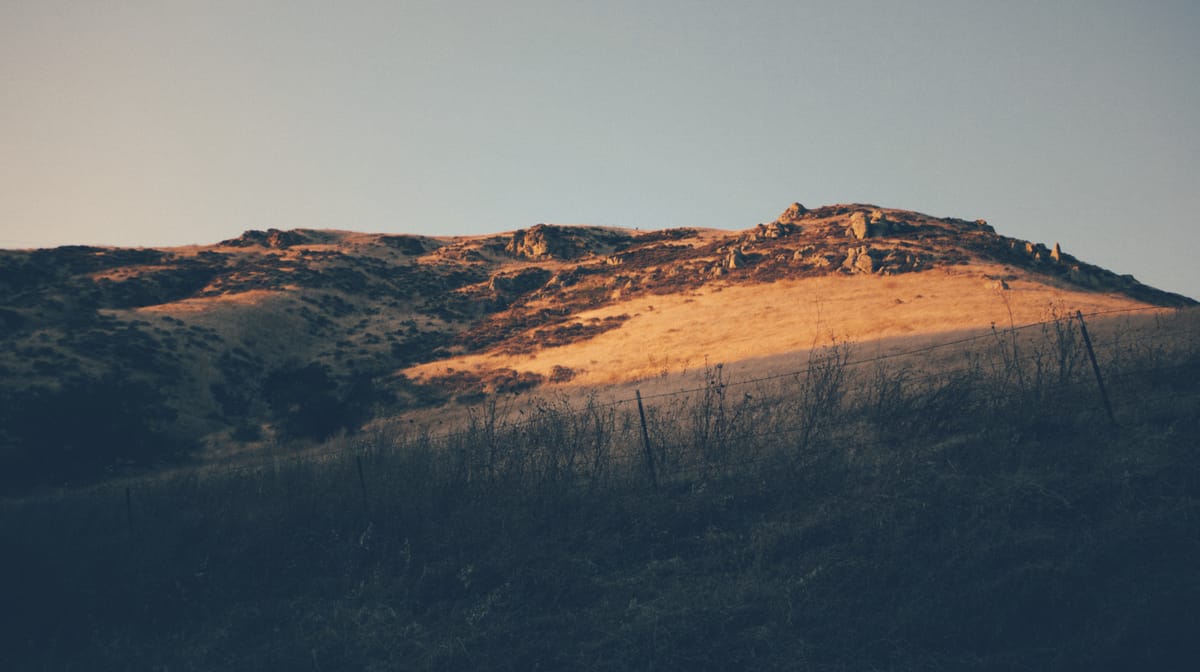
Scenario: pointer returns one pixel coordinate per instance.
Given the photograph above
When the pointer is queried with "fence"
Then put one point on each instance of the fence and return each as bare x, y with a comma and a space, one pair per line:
862, 410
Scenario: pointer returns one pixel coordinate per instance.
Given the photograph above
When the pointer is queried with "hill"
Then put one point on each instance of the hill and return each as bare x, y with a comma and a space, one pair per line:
302, 334
667, 450
969, 505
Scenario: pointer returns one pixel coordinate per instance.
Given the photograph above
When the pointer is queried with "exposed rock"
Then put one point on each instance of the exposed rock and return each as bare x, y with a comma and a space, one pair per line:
534, 243
273, 238
858, 226
560, 242
859, 260
735, 259
808, 256
882, 226
1035, 250
873, 224
1056, 253
864, 263
998, 284
794, 212
774, 230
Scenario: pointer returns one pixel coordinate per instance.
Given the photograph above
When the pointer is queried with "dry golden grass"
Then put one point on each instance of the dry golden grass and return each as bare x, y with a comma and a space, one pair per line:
254, 297
678, 333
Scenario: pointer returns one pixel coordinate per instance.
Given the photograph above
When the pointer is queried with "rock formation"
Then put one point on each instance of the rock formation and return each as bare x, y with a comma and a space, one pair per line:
773, 231
794, 213
735, 259
858, 226
559, 242
859, 260
873, 224
273, 238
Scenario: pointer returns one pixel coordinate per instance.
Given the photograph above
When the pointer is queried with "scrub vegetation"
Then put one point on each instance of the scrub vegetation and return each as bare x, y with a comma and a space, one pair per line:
969, 507
195, 353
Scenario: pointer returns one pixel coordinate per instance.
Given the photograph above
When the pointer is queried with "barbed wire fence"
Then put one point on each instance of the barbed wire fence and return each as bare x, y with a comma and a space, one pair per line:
833, 402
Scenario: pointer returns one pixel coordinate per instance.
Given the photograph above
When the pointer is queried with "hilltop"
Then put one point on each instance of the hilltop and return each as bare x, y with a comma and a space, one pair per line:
246, 340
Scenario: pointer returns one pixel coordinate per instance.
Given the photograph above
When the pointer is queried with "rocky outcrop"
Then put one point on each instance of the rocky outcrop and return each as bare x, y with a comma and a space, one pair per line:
545, 241
735, 259
808, 256
865, 259
873, 224
859, 260
858, 227
273, 238
793, 214
537, 242
773, 231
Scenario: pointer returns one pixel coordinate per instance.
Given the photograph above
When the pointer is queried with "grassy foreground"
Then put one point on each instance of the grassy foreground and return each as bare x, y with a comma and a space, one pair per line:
983, 515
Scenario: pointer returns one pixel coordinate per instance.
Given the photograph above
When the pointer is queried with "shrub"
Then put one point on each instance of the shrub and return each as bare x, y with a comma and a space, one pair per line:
77, 431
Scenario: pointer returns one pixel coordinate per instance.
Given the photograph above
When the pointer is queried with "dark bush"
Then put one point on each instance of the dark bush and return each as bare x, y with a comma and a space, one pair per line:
74, 432
306, 402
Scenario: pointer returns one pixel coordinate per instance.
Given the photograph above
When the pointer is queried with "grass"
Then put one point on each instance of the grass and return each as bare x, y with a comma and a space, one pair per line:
678, 331
980, 514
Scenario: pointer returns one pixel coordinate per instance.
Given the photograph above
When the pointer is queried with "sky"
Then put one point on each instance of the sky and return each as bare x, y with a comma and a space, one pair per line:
168, 123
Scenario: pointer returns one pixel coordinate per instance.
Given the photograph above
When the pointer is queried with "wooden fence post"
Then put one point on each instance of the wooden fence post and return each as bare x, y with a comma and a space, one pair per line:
1095, 367
646, 442
128, 511
362, 482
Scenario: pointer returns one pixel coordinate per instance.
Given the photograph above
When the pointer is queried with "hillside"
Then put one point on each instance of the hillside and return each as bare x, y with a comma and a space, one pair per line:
969, 506
853, 438
301, 334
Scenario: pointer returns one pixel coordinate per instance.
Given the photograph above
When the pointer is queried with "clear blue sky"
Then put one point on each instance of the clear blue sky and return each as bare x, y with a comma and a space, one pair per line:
162, 123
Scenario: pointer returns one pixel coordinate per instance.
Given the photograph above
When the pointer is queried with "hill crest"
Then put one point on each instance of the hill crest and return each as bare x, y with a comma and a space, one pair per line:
390, 322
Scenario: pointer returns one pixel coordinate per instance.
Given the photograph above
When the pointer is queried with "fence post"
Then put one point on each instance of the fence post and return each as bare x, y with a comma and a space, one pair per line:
128, 511
362, 482
1095, 367
646, 442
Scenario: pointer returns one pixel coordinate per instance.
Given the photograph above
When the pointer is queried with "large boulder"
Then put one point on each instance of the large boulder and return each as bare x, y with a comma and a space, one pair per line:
858, 227
794, 213
859, 260
873, 224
